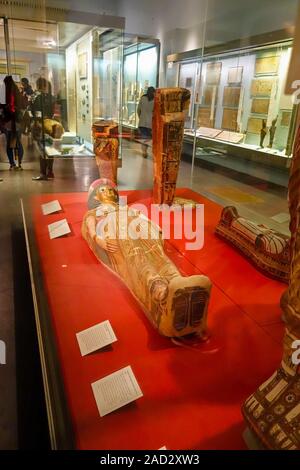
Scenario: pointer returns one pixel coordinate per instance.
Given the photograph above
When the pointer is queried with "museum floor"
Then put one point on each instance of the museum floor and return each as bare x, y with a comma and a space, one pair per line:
257, 201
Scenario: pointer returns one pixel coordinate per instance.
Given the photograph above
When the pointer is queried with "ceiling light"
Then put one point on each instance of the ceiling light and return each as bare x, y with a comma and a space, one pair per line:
49, 43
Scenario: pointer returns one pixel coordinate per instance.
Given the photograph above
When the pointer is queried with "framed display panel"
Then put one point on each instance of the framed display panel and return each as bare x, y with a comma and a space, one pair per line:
285, 118
267, 65
235, 75
209, 93
231, 96
19, 68
260, 106
82, 65
188, 82
213, 73
229, 119
262, 86
186, 79
255, 125
204, 117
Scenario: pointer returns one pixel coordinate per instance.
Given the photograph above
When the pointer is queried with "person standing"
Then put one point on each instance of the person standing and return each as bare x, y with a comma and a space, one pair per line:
26, 87
42, 105
145, 112
14, 111
27, 92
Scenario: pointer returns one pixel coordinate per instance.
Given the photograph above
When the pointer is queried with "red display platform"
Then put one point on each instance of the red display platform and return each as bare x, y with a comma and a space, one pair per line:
192, 398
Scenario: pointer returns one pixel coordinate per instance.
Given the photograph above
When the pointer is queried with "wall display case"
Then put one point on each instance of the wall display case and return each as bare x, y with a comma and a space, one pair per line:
107, 77
187, 74
140, 70
81, 66
238, 102
94, 70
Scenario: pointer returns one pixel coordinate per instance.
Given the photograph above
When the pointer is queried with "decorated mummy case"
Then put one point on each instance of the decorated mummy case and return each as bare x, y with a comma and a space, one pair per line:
272, 412
106, 148
170, 105
267, 249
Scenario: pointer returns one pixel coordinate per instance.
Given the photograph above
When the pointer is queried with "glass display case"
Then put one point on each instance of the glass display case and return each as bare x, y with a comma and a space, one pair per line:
107, 76
94, 71
74, 76
187, 77
140, 71
238, 103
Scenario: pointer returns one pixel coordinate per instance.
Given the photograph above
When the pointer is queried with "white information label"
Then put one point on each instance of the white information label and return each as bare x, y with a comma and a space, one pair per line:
50, 207
116, 390
59, 229
95, 337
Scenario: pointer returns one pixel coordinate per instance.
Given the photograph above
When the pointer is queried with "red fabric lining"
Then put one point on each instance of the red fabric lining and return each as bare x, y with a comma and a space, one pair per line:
192, 399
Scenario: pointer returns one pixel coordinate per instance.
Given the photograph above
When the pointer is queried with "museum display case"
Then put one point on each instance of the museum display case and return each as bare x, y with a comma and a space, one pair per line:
239, 106
62, 265
94, 69
81, 68
140, 70
107, 75
184, 324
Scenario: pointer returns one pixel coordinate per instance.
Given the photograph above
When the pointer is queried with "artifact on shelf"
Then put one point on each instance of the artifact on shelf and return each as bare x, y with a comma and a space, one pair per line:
273, 412
170, 105
48, 127
230, 136
53, 128
268, 249
263, 133
106, 148
176, 305
272, 131
208, 132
